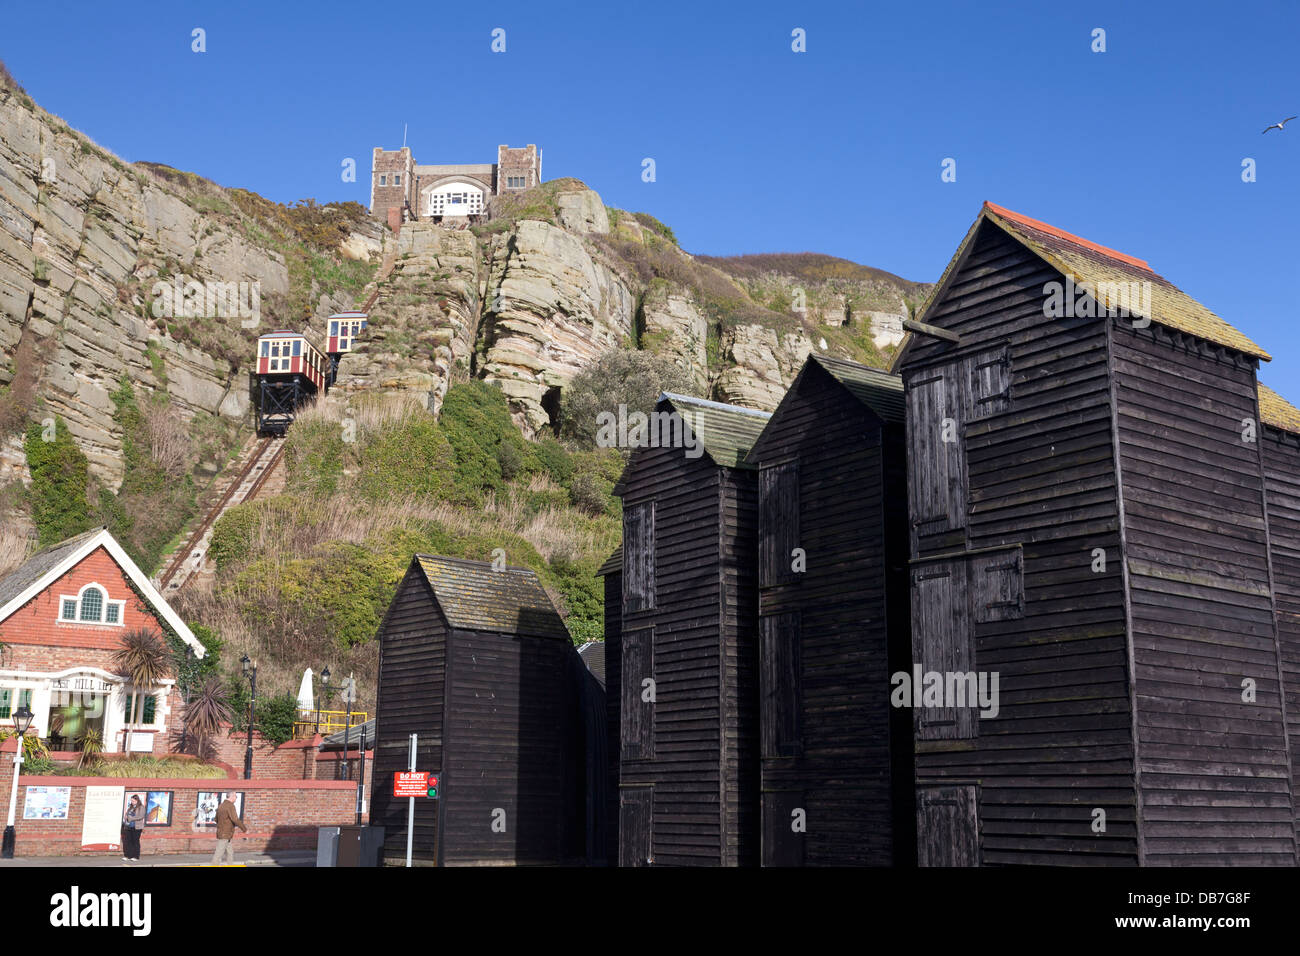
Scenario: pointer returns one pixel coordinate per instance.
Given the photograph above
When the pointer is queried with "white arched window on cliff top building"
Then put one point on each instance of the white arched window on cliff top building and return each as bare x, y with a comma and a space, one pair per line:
454, 199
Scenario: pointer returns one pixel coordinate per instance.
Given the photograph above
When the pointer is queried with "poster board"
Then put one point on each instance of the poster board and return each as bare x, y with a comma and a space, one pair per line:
205, 812
47, 803
101, 825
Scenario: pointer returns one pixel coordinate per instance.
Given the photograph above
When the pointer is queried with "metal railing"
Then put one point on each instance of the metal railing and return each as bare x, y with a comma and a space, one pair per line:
331, 722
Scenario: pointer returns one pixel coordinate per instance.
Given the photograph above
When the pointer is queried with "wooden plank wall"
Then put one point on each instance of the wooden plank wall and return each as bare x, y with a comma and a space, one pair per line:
412, 657
685, 770
1281, 453
1041, 475
738, 539
512, 744
1215, 785
840, 765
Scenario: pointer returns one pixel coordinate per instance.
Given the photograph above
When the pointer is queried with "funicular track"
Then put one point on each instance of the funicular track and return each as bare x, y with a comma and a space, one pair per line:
245, 486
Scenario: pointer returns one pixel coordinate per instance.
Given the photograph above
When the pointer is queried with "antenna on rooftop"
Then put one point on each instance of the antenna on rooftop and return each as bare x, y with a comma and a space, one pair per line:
404, 135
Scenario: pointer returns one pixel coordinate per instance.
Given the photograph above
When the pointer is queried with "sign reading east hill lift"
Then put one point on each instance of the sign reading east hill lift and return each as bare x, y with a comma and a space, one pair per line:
415, 783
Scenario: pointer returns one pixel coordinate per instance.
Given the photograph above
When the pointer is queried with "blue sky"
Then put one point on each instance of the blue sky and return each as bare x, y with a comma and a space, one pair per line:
757, 148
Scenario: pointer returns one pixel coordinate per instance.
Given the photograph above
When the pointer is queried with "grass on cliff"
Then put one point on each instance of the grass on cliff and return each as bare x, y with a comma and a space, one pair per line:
304, 578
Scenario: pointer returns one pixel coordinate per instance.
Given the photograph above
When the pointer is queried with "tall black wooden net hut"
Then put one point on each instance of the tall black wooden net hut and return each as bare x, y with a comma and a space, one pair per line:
834, 624
688, 756
1088, 524
477, 662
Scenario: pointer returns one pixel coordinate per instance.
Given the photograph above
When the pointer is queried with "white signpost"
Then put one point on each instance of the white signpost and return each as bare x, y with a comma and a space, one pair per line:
410, 813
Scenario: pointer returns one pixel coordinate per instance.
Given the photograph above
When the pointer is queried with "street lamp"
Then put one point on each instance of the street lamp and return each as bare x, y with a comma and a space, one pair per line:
22, 721
250, 672
325, 683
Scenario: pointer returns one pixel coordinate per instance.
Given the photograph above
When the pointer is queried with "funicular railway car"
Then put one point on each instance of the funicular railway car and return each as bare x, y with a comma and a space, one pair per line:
340, 336
289, 371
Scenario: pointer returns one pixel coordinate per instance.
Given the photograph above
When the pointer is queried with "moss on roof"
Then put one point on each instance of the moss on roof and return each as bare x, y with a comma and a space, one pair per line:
726, 431
1276, 411
475, 597
879, 391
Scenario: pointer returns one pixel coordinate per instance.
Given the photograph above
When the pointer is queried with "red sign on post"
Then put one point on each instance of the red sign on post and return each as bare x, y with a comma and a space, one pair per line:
411, 783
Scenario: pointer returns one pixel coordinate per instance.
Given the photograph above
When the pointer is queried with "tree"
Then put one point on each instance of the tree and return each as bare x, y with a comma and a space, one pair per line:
143, 660
206, 712
618, 377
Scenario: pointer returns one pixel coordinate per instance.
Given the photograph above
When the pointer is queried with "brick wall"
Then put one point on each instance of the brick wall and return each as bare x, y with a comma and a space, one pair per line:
36, 639
292, 760
389, 163
279, 814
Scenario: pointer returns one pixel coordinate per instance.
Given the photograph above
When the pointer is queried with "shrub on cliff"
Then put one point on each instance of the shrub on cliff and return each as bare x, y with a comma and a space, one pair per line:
60, 478
618, 377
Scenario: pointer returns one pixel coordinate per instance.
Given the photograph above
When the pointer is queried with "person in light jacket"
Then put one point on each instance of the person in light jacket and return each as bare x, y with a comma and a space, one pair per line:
227, 820
132, 824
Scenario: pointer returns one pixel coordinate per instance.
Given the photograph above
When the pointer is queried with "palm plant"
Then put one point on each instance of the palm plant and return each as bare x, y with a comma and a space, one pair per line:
92, 745
206, 712
143, 660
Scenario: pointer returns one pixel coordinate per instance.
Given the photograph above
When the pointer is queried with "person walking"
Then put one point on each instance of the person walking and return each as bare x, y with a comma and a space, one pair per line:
227, 820
132, 824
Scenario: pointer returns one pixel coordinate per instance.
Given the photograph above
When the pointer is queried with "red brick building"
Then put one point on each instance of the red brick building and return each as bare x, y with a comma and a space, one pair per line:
63, 614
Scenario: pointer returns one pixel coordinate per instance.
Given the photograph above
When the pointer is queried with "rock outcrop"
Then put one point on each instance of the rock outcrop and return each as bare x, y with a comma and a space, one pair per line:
83, 237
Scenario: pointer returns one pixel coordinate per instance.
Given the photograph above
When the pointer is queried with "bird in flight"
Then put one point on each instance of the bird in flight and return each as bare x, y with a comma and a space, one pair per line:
1279, 125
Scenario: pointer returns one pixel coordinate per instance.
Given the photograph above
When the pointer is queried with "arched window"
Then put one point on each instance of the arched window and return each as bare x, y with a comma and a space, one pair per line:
92, 605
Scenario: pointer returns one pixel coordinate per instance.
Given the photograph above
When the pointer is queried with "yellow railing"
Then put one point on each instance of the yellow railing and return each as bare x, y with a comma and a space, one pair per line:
331, 722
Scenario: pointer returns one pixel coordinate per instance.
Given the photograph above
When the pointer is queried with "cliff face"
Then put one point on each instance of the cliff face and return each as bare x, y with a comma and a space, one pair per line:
83, 237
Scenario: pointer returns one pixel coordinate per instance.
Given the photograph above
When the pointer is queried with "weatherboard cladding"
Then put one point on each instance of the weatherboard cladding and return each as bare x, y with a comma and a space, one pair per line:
689, 764
474, 596
1038, 474
833, 746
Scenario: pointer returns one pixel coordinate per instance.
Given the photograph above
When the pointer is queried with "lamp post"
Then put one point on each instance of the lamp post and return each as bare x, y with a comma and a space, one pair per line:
324, 686
22, 721
250, 672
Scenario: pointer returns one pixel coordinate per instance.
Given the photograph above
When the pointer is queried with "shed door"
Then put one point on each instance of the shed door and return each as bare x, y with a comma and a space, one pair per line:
778, 504
941, 642
936, 460
635, 822
636, 716
947, 826
779, 677
784, 826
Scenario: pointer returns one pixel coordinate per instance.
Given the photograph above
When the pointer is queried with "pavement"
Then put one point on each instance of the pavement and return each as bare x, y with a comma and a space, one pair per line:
287, 858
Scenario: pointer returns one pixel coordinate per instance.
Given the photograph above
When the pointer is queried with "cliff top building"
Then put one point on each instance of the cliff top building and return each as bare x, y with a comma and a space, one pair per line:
401, 188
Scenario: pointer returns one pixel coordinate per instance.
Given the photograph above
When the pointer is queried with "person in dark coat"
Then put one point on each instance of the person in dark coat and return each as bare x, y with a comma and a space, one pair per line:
227, 820
132, 824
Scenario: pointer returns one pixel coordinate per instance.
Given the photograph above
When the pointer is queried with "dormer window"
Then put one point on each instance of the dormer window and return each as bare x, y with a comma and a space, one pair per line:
90, 606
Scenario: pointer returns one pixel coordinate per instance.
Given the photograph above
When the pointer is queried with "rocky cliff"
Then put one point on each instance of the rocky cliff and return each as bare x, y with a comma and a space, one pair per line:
550, 281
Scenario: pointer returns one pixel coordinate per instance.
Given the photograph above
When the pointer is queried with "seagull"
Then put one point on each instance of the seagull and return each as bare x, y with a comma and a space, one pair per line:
1279, 125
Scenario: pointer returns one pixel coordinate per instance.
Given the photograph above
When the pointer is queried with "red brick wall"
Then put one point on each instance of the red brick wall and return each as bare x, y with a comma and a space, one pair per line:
289, 761
38, 640
279, 814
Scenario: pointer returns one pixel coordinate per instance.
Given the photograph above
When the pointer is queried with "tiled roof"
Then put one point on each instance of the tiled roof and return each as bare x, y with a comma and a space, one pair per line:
1276, 411
879, 391
34, 568
1104, 269
726, 431
1088, 262
593, 655
475, 597
613, 564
